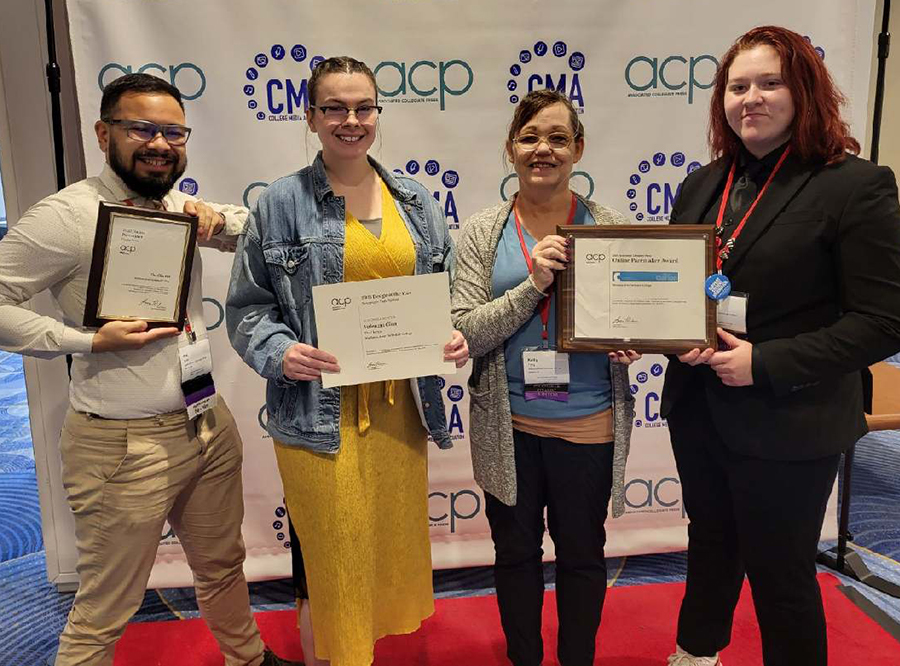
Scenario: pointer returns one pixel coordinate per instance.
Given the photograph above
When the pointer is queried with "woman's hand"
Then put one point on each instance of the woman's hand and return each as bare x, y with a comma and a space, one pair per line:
550, 254
734, 366
457, 350
696, 357
624, 357
306, 363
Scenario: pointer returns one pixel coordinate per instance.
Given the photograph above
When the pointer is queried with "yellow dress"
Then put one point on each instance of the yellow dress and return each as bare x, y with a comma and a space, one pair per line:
361, 515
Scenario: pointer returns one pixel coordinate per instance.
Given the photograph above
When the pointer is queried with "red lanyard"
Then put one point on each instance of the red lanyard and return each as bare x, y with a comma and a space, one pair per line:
545, 302
722, 253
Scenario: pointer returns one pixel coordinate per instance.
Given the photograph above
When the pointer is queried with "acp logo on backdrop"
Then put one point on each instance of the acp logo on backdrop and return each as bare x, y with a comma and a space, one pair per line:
441, 181
670, 75
552, 66
655, 183
187, 77
580, 181
422, 81
675, 75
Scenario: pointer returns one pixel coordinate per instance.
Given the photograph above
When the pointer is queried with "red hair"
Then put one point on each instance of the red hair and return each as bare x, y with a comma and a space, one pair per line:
817, 131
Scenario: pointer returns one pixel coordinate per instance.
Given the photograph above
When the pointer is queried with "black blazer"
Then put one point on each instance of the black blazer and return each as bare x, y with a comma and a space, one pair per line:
820, 260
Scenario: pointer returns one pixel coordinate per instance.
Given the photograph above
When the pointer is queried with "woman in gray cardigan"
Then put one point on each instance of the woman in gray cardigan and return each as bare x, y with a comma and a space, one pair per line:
544, 432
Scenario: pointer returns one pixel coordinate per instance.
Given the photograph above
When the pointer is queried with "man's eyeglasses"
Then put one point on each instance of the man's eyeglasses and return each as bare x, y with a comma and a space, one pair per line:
363, 113
145, 131
555, 141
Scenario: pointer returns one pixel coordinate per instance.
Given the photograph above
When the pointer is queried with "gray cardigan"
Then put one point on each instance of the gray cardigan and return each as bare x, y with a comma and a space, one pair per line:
487, 322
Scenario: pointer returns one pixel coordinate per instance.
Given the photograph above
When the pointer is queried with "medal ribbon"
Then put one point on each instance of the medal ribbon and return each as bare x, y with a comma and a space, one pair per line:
722, 253
545, 302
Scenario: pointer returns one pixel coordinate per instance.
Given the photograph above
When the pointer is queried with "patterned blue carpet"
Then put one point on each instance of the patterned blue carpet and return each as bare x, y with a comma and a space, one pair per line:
32, 613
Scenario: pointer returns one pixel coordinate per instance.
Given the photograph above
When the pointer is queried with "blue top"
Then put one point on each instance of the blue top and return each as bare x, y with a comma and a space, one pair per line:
590, 390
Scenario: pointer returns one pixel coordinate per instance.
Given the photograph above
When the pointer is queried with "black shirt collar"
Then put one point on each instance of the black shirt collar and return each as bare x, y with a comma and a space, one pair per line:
765, 163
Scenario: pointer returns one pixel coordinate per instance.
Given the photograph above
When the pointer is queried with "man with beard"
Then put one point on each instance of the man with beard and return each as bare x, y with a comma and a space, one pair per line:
132, 457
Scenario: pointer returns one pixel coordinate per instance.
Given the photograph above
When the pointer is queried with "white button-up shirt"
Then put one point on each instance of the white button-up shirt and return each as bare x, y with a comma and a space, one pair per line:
50, 247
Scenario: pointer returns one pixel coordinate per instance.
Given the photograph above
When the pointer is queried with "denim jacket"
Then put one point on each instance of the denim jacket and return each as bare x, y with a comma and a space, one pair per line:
294, 240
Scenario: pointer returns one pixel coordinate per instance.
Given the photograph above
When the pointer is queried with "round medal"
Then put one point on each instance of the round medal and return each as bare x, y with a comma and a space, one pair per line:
717, 286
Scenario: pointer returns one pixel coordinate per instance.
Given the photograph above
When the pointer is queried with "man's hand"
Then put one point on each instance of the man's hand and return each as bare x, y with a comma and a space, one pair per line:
306, 363
209, 222
457, 350
123, 335
735, 366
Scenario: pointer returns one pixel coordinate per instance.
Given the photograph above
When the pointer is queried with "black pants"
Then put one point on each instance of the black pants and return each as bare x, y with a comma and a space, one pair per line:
573, 481
753, 516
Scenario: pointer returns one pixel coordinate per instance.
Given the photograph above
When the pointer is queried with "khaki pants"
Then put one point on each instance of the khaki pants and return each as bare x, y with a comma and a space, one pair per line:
124, 478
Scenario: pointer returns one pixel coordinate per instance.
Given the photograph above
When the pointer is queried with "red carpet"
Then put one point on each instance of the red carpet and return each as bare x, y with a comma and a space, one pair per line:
638, 630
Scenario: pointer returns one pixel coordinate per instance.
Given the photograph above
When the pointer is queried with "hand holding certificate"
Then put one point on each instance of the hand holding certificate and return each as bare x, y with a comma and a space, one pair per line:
141, 266
393, 328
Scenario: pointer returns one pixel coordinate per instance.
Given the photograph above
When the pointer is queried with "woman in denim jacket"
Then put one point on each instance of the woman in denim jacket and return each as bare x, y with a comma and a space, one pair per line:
352, 460
561, 443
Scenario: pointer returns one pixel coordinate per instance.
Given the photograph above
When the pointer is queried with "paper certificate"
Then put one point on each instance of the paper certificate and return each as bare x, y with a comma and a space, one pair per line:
141, 266
393, 328
649, 289
639, 287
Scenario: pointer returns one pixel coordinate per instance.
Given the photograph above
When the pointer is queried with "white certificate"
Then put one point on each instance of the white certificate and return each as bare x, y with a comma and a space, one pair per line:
393, 328
639, 288
144, 271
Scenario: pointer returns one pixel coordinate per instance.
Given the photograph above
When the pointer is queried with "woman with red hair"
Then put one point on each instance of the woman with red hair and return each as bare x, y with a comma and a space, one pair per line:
809, 237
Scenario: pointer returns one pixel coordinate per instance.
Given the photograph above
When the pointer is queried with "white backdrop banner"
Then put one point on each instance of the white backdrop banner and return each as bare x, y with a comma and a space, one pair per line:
449, 73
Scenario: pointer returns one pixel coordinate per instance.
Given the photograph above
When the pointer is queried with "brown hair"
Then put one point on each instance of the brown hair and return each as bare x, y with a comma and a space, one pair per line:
817, 130
535, 102
338, 65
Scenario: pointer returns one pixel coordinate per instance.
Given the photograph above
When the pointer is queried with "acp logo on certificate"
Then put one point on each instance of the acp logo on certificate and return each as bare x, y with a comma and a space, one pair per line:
340, 303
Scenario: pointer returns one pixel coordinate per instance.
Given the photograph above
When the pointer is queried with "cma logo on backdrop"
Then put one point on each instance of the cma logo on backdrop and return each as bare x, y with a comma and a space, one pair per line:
187, 77
189, 186
277, 82
441, 181
280, 526
271, 94
551, 66
453, 396
647, 398
655, 183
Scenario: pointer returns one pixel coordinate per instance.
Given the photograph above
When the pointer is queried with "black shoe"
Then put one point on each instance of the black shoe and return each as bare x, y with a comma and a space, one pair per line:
272, 659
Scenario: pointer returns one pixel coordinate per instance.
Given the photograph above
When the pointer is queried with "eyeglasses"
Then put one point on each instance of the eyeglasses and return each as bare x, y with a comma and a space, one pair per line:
555, 141
363, 113
145, 131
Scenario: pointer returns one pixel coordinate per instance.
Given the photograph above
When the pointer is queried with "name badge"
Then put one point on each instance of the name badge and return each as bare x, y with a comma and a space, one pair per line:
731, 312
196, 378
546, 375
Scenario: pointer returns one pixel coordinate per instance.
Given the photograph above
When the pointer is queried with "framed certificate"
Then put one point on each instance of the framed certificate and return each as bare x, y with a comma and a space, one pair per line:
141, 266
639, 287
